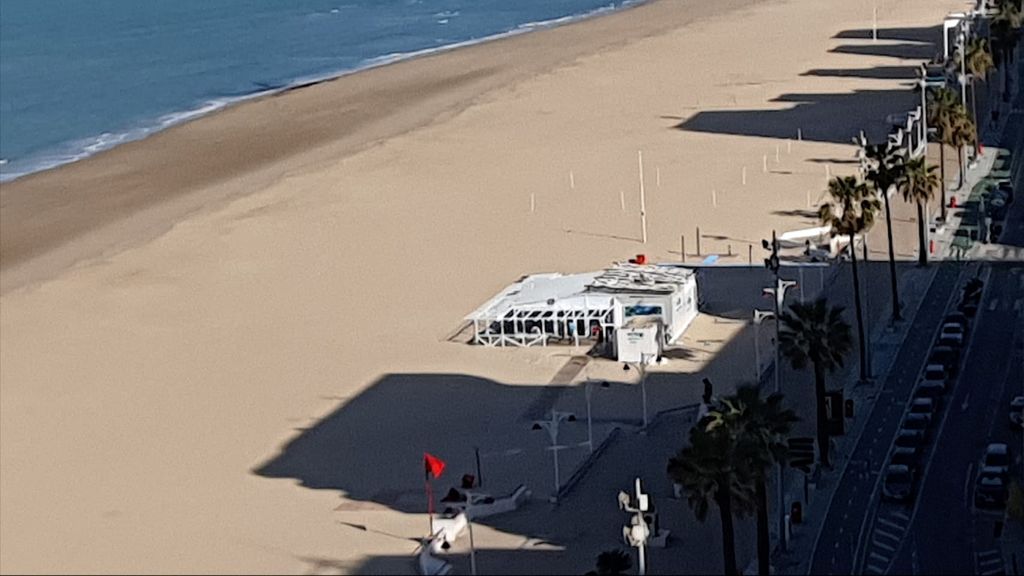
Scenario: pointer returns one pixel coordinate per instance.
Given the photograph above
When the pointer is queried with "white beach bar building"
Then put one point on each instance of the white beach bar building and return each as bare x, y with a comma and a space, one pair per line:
593, 306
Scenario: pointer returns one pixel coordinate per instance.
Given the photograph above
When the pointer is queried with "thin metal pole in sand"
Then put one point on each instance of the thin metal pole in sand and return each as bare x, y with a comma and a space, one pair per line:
682, 246
657, 176
828, 173
643, 203
714, 198
789, 146
764, 163
533, 203
874, 23
622, 200
799, 135
572, 180
744, 175
776, 153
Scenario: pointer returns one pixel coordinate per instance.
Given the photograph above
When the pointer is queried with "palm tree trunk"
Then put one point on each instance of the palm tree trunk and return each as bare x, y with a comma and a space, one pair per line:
724, 501
922, 251
977, 123
942, 177
892, 261
763, 545
862, 348
821, 416
960, 166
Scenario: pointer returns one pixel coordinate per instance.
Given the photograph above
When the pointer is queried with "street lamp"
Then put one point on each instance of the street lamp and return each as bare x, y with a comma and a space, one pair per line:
779, 293
759, 317
641, 367
638, 531
551, 426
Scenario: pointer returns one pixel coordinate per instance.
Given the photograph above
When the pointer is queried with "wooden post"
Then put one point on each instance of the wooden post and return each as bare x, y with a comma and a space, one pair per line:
750, 254
682, 246
698, 240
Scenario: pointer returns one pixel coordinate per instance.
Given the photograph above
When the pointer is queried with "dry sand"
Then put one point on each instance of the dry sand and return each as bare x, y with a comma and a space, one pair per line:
177, 310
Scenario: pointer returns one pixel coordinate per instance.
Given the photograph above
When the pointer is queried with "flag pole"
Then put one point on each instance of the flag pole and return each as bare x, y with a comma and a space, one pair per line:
430, 502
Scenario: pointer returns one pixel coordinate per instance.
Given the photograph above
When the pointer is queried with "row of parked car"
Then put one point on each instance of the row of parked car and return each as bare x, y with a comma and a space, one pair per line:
997, 205
940, 371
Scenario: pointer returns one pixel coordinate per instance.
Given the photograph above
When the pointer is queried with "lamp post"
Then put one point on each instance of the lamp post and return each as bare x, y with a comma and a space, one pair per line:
641, 367
779, 294
759, 317
551, 426
638, 531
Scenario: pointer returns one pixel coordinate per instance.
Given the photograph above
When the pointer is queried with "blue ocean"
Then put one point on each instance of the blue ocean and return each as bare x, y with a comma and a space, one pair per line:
77, 77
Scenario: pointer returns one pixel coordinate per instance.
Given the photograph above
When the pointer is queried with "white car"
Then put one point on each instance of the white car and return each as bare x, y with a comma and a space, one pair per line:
952, 332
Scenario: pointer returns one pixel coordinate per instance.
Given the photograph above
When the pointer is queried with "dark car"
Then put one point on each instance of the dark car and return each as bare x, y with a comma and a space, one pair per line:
909, 439
990, 489
1006, 187
898, 484
917, 422
948, 357
957, 318
923, 406
904, 456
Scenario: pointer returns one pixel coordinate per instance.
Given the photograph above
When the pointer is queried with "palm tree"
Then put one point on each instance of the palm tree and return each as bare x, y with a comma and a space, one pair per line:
941, 112
851, 212
918, 185
760, 427
707, 471
961, 135
612, 562
815, 333
1003, 31
887, 165
979, 64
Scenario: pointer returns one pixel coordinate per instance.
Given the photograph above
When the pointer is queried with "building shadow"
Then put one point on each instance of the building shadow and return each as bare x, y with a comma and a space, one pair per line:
922, 34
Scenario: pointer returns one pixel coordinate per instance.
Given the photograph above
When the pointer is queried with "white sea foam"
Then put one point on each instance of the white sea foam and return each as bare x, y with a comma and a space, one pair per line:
11, 169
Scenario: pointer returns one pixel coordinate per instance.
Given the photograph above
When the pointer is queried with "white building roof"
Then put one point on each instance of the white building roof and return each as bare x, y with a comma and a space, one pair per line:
585, 291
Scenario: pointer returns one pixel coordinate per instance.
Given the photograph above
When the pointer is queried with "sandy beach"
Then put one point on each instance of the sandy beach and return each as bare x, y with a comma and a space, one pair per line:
176, 312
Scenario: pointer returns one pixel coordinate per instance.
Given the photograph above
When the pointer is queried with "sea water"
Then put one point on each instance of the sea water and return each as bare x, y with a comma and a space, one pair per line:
81, 76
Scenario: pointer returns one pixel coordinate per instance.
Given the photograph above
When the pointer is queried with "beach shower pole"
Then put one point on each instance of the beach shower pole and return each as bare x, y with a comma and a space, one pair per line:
643, 203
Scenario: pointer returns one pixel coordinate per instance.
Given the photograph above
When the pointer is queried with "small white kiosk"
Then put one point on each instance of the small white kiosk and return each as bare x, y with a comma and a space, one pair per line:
625, 304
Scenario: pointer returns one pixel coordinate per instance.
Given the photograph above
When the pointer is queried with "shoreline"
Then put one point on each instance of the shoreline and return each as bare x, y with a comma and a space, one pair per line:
44, 212
215, 104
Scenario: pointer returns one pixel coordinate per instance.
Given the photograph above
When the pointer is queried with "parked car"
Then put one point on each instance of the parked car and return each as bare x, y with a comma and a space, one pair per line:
1017, 412
990, 489
899, 483
909, 439
948, 356
951, 334
997, 458
958, 318
923, 406
919, 422
930, 389
906, 456
969, 307
935, 372
1006, 187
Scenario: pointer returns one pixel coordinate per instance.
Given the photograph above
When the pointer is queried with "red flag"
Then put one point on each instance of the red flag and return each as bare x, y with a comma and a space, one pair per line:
434, 465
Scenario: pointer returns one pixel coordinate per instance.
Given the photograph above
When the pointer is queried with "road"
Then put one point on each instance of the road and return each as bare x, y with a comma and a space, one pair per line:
837, 543
948, 535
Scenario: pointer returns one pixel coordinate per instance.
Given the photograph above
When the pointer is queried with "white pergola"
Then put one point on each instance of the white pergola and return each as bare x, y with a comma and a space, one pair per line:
542, 308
